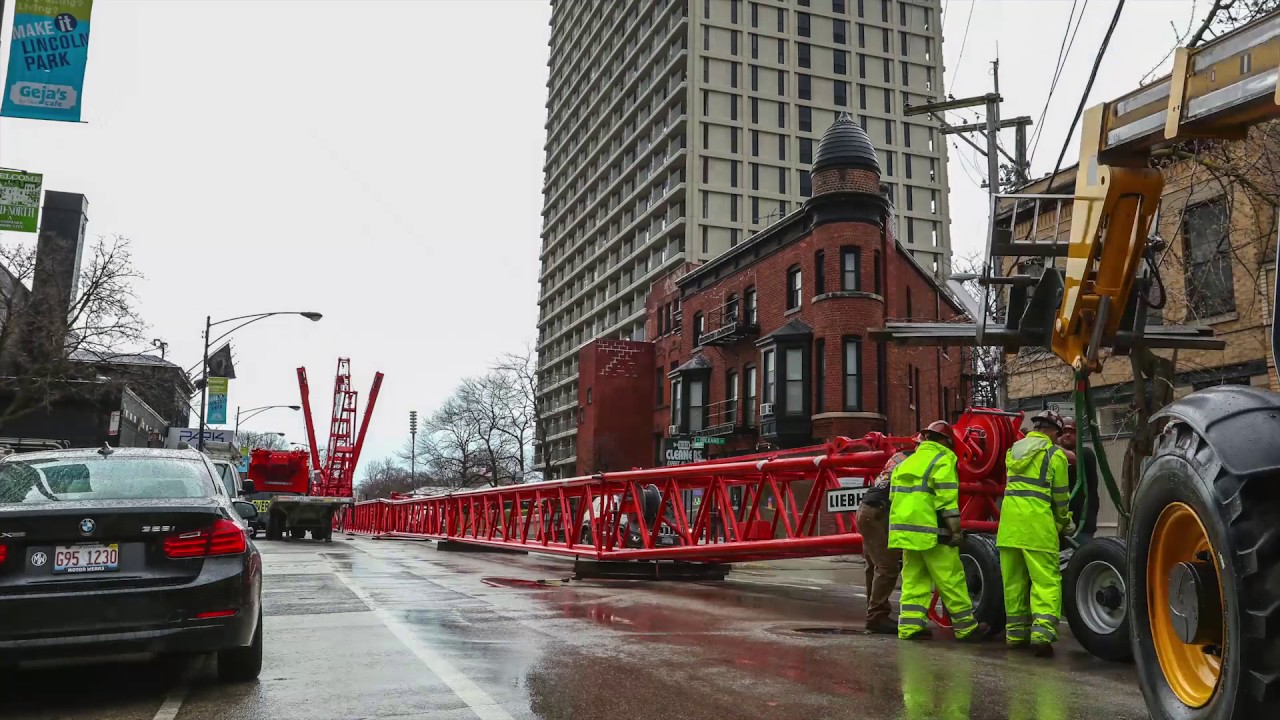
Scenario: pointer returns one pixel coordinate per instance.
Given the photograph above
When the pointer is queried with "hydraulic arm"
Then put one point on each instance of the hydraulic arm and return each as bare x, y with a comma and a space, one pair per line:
1215, 91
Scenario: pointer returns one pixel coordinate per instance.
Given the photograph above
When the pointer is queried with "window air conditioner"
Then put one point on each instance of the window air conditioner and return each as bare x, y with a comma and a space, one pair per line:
766, 409
673, 430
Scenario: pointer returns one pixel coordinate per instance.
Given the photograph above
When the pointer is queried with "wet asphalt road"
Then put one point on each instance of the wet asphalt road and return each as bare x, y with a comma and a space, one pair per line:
384, 629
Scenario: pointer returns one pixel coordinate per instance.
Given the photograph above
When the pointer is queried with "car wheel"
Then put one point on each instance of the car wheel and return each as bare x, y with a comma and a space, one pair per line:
322, 534
242, 664
1095, 599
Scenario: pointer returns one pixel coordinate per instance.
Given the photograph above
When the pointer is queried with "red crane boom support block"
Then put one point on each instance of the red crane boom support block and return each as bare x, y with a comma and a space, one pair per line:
641, 514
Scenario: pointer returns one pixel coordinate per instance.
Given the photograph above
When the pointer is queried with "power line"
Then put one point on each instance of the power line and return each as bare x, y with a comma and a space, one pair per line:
963, 40
1064, 52
1084, 98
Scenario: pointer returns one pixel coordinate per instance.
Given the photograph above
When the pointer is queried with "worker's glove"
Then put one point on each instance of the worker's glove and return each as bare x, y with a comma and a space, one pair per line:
1069, 530
952, 540
957, 535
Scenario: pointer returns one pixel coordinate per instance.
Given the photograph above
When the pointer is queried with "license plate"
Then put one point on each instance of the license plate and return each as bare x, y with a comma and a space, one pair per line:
262, 505
76, 559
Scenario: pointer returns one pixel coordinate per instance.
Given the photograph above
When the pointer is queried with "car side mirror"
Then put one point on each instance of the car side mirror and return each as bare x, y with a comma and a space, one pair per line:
248, 488
245, 509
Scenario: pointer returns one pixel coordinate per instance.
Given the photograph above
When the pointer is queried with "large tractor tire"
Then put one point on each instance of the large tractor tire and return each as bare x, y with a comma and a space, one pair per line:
1204, 560
1095, 599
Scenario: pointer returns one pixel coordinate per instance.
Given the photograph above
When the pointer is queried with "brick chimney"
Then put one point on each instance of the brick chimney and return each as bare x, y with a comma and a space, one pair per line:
54, 282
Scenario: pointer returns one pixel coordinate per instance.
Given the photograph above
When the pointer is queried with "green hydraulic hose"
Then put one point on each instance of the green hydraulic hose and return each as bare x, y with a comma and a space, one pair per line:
1084, 409
1081, 487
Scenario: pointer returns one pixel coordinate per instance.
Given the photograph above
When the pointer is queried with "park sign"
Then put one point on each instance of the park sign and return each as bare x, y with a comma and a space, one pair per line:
47, 58
20, 200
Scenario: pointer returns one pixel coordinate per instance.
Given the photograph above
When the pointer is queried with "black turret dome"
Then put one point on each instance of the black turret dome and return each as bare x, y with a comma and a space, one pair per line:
845, 145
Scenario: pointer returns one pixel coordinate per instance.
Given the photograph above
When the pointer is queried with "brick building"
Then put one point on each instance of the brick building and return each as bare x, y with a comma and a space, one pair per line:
767, 343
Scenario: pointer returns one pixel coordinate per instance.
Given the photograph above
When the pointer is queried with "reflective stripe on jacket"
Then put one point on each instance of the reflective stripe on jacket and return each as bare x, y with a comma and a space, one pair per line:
1036, 495
924, 488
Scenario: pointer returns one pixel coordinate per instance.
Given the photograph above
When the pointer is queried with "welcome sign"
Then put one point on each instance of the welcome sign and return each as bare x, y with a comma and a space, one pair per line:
47, 59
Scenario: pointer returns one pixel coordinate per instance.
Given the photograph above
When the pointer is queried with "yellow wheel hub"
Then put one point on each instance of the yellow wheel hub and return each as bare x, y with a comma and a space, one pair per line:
1184, 601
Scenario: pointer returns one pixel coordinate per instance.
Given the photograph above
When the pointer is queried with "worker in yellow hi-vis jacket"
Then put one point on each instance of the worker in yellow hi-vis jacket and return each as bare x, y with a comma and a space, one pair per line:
924, 492
1034, 512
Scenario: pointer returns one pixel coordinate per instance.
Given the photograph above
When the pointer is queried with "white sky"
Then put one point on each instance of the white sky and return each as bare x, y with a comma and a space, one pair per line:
381, 163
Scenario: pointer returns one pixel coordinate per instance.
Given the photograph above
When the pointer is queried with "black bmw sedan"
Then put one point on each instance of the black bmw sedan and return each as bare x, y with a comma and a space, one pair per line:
126, 550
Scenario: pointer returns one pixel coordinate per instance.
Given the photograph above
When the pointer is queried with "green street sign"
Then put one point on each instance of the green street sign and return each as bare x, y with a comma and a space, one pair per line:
20, 200
708, 441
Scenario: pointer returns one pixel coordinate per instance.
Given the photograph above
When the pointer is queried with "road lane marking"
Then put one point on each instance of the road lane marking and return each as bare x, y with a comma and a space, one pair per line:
480, 702
742, 581
172, 704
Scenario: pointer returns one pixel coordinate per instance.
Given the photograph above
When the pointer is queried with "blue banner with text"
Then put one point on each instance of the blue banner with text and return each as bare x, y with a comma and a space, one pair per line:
47, 58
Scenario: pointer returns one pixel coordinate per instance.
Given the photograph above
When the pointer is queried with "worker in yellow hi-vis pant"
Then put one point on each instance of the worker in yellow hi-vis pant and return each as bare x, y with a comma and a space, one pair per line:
1034, 512
924, 490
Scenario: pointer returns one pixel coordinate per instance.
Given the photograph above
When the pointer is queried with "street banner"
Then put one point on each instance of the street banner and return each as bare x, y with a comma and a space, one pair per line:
47, 58
217, 401
20, 200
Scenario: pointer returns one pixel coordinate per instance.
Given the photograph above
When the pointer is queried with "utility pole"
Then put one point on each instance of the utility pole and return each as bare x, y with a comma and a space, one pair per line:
413, 448
990, 129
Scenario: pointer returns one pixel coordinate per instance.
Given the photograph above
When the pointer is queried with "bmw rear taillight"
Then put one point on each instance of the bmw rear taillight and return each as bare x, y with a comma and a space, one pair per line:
4, 553
229, 538
224, 538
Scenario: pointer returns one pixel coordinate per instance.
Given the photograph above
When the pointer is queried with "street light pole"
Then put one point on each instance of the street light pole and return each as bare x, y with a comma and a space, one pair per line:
413, 448
204, 357
257, 410
204, 378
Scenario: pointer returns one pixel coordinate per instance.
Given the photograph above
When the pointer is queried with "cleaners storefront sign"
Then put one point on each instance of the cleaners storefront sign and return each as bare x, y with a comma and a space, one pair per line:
47, 58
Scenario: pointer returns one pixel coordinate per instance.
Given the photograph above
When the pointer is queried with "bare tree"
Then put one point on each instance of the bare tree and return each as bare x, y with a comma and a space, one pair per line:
529, 426
40, 356
384, 477
1223, 16
250, 440
450, 446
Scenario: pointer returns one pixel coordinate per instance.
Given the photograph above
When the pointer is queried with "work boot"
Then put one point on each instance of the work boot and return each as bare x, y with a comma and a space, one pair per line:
882, 626
977, 635
1042, 650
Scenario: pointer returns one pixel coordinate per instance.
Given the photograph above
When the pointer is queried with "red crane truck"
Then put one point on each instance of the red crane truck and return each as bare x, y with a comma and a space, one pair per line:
294, 492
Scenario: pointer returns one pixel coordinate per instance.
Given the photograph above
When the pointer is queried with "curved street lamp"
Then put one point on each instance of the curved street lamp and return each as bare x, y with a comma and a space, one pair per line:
209, 324
258, 411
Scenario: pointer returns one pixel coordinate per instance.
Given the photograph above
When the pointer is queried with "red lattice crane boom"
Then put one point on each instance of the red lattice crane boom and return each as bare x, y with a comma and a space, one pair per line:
334, 478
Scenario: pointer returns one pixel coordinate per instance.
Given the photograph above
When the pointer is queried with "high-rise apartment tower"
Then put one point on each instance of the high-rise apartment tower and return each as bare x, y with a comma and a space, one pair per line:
677, 128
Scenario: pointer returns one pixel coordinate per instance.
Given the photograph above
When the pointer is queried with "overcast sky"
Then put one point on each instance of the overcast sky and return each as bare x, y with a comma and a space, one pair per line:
381, 163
